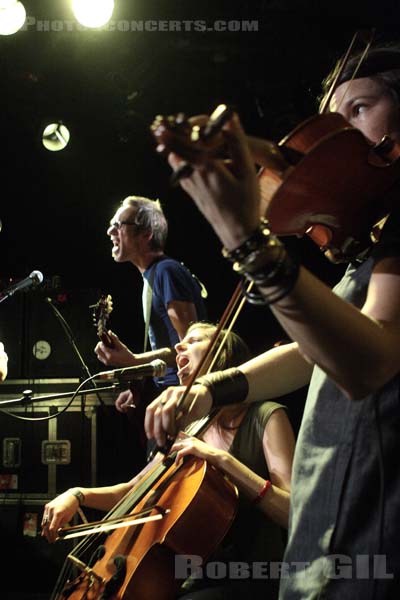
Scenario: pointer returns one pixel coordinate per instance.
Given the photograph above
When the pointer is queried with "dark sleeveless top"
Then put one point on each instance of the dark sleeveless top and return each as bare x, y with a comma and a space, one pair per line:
253, 537
345, 501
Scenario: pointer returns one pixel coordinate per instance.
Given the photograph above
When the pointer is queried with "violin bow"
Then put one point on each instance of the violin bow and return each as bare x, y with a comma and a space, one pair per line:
229, 310
342, 64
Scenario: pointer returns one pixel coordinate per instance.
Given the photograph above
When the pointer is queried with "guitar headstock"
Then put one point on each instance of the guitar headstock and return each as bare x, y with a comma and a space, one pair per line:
101, 313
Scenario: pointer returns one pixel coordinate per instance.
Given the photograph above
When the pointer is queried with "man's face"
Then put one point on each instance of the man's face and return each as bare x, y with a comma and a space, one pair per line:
369, 107
122, 233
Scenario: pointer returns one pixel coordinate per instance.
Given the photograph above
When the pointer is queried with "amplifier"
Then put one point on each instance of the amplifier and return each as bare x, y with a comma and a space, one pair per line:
49, 445
36, 341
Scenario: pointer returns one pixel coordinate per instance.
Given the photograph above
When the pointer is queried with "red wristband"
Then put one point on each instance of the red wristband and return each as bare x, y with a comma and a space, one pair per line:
263, 491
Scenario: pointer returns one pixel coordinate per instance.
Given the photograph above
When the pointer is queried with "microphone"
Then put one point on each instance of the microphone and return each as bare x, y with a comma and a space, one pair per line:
155, 368
34, 279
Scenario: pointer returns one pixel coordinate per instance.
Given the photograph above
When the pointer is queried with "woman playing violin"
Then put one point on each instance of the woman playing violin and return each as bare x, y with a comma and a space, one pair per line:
343, 538
254, 445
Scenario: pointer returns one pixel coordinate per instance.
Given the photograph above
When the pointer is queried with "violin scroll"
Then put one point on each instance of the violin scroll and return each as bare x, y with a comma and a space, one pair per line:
193, 139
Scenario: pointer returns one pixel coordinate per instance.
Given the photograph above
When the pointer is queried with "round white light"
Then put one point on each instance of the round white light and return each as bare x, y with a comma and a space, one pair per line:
55, 137
12, 16
93, 13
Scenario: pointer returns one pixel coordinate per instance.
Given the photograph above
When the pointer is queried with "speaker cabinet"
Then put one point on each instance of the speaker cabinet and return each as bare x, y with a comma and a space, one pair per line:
49, 339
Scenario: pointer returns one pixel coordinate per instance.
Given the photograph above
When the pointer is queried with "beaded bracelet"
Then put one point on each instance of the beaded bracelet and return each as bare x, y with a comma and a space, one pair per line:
263, 491
264, 260
253, 243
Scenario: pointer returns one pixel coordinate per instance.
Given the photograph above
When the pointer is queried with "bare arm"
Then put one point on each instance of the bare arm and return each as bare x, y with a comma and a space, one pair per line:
3, 362
356, 348
278, 446
277, 372
62, 508
270, 375
182, 314
121, 356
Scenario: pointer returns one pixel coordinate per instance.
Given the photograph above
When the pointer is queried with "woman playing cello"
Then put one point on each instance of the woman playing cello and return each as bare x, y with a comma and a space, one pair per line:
253, 445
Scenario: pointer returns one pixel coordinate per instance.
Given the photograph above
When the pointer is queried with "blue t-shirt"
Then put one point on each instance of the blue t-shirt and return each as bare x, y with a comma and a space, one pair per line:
170, 281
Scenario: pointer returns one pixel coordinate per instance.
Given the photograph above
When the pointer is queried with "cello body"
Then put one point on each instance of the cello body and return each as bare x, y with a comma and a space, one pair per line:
137, 562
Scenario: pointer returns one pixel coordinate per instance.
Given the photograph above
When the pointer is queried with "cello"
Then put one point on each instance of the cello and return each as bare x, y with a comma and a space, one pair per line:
175, 510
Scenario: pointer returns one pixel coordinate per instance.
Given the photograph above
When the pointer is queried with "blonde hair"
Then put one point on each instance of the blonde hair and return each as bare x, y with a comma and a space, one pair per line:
233, 353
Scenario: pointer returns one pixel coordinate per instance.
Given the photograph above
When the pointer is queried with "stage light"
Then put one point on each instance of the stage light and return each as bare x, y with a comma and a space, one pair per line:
12, 16
55, 137
93, 13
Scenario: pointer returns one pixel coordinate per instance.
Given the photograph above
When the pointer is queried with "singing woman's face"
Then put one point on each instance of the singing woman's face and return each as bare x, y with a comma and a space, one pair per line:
190, 350
369, 106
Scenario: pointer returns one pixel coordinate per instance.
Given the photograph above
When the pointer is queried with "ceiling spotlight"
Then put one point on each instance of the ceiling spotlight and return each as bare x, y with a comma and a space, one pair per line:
12, 16
55, 137
93, 13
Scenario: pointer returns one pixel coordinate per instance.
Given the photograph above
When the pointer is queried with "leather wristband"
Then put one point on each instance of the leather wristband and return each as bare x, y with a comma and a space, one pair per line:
226, 387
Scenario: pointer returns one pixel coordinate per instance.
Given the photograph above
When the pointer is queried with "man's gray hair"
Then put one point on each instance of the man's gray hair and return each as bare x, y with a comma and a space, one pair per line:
149, 216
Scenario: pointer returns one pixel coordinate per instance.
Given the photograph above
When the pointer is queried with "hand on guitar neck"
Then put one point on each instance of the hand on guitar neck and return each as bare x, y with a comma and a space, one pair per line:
101, 314
105, 337
110, 350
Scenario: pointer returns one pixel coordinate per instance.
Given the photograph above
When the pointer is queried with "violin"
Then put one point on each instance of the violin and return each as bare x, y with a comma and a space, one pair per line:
324, 179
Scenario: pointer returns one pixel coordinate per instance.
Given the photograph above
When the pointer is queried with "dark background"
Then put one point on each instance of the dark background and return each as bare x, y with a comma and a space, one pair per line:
107, 87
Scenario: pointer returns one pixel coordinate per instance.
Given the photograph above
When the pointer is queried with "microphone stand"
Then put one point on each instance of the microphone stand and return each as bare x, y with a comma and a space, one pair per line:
5, 295
27, 397
71, 339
